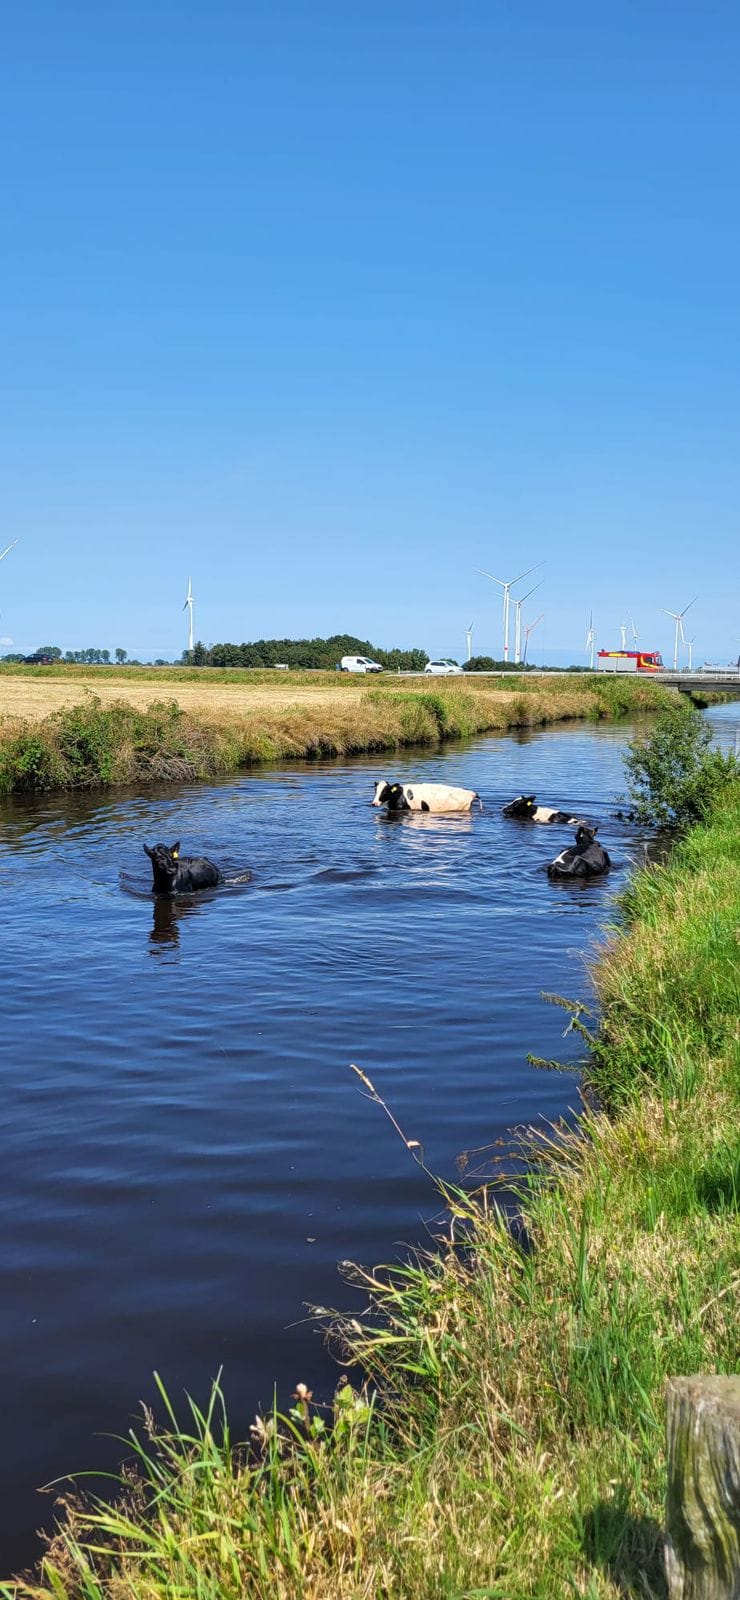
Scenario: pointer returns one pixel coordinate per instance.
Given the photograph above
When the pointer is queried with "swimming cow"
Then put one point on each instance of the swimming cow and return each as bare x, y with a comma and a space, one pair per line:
585, 859
525, 810
438, 797
176, 874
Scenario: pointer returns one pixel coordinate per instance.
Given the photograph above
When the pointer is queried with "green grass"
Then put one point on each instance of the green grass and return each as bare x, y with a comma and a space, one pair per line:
505, 1438
99, 744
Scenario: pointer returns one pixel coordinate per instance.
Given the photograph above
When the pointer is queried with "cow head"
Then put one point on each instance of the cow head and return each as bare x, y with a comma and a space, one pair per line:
523, 806
585, 835
164, 859
390, 795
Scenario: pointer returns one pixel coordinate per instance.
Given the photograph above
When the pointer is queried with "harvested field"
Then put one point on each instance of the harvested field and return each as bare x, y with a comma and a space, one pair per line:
68, 730
33, 693
34, 698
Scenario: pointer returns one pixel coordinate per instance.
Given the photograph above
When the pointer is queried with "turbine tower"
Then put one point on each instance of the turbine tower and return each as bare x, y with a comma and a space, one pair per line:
678, 617
623, 631
527, 632
690, 647
634, 632
469, 635
518, 622
188, 606
507, 587
590, 639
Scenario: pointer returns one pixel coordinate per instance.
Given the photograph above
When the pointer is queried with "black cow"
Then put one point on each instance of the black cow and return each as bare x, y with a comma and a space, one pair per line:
176, 874
586, 859
525, 809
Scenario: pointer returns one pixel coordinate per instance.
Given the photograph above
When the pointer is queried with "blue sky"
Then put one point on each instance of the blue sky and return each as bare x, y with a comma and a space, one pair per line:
330, 304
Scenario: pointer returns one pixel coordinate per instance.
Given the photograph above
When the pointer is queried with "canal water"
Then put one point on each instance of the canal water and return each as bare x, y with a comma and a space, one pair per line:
186, 1154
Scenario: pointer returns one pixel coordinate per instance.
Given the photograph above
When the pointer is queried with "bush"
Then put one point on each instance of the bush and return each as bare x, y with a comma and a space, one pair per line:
489, 664
674, 773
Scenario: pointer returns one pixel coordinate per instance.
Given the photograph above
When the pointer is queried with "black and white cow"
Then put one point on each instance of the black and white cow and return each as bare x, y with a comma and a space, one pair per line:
437, 797
585, 859
176, 874
525, 809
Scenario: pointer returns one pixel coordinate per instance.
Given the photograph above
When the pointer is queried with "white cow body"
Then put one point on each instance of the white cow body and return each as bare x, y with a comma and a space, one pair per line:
434, 797
525, 809
549, 814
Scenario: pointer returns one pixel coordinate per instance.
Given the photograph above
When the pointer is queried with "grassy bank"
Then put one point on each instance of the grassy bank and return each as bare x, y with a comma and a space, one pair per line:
507, 1441
100, 742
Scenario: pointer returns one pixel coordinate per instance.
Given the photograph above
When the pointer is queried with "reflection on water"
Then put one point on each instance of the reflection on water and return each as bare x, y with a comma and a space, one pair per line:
185, 1154
168, 912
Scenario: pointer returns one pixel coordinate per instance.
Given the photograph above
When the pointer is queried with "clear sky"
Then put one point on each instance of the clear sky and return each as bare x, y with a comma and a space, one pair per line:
329, 304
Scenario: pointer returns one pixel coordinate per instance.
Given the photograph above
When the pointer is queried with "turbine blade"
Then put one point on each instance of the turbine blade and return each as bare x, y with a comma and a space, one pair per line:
8, 548
529, 592
535, 568
690, 604
490, 575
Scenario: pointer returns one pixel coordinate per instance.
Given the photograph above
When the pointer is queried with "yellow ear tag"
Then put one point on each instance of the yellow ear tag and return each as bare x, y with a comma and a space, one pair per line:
175, 855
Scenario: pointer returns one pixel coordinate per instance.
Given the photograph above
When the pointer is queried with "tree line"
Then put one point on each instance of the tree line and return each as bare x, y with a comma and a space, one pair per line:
306, 653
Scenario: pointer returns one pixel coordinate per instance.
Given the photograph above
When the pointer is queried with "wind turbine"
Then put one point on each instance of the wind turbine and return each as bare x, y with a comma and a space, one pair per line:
518, 624
8, 548
189, 606
623, 631
678, 617
506, 588
527, 632
469, 635
591, 639
634, 632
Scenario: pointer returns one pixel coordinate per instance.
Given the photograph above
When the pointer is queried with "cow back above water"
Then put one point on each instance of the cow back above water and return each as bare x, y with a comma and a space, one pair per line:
525, 809
432, 797
585, 859
176, 874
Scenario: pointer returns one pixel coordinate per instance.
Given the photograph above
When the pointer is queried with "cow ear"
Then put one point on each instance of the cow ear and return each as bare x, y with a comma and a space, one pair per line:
147, 851
175, 850
593, 832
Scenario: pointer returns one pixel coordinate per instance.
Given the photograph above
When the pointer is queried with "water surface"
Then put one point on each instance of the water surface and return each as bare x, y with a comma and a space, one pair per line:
186, 1154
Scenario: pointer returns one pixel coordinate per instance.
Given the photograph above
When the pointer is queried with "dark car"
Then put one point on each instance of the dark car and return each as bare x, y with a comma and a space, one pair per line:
38, 661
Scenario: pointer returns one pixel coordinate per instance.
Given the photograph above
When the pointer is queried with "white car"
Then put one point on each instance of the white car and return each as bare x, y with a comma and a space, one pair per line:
359, 664
443, 668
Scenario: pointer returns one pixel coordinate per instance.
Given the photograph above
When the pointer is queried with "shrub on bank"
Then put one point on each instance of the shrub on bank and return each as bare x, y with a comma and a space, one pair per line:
675, 774
92, 745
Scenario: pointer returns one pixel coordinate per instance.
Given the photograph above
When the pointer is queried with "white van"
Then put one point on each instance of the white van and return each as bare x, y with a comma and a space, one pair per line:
359, 664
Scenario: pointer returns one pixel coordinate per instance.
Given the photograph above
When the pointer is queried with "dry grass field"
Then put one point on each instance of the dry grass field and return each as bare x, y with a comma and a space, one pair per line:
66, 728
33, 694
34, 698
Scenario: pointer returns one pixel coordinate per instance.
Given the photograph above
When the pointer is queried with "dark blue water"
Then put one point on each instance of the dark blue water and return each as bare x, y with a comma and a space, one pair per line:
185, 1152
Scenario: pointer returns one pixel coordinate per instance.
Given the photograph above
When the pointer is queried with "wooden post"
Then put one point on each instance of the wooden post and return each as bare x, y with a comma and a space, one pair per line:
702, 1552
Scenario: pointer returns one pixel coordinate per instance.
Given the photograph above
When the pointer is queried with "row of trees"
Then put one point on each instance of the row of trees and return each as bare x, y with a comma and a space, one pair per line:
91, 657
295, 653
306, 653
